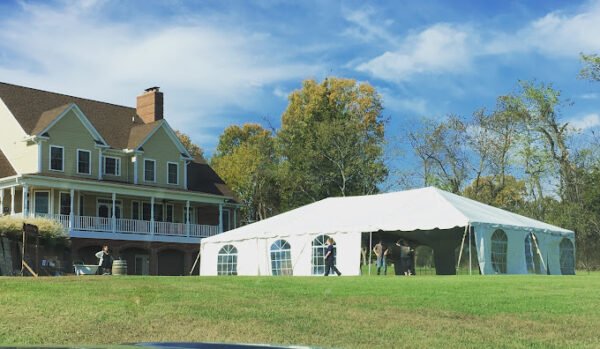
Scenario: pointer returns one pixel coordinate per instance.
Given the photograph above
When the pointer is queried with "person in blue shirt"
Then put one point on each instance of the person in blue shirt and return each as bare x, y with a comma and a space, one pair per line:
330, 259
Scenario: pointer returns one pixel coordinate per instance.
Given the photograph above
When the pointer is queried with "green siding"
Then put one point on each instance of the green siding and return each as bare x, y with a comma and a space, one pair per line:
161, 149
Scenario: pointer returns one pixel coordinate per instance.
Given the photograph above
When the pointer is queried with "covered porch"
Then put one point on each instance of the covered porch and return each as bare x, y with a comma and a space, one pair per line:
105, 210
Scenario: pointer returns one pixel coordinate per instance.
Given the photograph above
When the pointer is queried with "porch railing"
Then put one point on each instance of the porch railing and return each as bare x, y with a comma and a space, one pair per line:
132, 226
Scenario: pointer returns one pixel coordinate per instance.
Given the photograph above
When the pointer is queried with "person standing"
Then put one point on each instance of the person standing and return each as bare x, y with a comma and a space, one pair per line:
106, 260
381, 251
406, 255
330, 259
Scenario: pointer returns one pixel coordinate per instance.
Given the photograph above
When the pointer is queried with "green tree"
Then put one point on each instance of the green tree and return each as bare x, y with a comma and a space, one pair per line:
194, 150
510, 195
591, 67
246, 160
331, 141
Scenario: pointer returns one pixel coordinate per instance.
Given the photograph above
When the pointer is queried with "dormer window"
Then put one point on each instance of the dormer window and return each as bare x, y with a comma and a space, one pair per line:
112, 166
57, 158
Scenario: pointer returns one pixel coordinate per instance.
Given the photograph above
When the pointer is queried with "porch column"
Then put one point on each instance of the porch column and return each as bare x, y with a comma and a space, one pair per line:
12, 201
72, 209
114, 217
235, 218
152, 215
220, 218
25, 201
2, 202
187, 218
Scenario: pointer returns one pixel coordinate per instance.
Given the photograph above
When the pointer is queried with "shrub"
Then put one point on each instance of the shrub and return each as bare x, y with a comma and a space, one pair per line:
50, 231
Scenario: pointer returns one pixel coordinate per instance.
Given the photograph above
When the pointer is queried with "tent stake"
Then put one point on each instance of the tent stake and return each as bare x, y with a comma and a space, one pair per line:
462, 245
370, 250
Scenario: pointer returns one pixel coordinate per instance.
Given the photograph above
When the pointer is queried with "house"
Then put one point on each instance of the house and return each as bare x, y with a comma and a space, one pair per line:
110, 174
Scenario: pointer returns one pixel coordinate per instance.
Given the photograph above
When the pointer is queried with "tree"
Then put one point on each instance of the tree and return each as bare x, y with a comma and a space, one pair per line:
510, 195
194, 150
246, 160
441, 147
591, 67
331, 141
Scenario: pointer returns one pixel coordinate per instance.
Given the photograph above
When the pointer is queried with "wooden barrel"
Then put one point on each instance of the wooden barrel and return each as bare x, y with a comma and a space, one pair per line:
119, 267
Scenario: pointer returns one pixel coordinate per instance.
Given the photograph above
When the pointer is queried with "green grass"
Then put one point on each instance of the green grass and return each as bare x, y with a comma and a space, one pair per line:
346, 312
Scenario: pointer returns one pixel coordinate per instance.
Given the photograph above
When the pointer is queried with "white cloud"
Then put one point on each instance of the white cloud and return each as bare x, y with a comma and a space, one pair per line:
563, 34
590, 96
204, 69
279, 92
442, 48
585, 122
364, 28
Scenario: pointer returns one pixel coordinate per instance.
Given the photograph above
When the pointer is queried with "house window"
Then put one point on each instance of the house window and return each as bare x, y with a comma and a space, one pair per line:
147, 212
226, 220
41, 202
227, 261
112, 166
281, 258
84, 160
57, 159
135, 210
65, 204
567, 257
499, 251
170, 210
149, 170
191, 214
172, 173
319, 248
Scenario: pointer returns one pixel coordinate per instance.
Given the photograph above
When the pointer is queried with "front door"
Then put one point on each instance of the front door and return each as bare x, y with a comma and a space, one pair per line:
142, 264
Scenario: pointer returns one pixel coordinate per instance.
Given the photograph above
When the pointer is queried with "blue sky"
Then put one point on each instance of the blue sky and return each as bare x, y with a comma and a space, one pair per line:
229, 62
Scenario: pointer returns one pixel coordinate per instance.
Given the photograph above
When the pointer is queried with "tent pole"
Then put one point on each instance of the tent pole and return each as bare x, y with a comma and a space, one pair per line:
370, 250
462, 245
470, 264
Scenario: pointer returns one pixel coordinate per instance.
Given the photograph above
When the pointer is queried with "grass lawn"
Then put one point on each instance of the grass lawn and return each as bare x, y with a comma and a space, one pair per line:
340, 312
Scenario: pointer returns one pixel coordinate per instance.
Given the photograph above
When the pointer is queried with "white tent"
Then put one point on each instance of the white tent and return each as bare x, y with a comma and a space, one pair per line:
292, 240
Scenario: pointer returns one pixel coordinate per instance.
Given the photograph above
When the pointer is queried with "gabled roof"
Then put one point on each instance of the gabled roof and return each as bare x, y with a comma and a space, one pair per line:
6, 169
418, 209
202, 178
34, 110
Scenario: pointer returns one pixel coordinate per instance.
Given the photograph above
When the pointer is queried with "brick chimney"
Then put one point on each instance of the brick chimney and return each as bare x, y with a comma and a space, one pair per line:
150, 105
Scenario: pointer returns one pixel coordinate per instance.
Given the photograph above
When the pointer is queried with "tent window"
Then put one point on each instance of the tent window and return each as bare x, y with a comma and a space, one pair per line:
499, 251
532, 254
567, 257
318, 252
227, 261
281, 258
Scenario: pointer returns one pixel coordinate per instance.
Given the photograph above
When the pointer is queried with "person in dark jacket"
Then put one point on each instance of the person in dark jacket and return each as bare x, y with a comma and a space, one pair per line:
330, 259
106, 260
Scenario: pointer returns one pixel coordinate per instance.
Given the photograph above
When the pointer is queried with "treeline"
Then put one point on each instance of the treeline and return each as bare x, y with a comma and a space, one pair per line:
521, 156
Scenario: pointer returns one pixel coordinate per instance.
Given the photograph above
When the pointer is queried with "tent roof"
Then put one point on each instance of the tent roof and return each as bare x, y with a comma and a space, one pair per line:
418, 209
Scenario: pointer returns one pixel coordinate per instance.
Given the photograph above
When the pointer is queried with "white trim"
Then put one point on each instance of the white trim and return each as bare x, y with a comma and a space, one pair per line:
50, 158
135, 162
192, 215
81, 116
40, 157
171, 134
117, 166
59, 200
33, 208
100, 164
12, 199
177, 176
90, 161
133, 237
122, 188
154, 171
